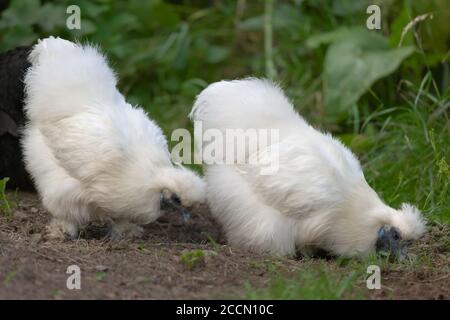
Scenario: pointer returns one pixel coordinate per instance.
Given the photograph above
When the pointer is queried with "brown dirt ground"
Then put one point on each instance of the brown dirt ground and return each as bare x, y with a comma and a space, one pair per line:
150, 268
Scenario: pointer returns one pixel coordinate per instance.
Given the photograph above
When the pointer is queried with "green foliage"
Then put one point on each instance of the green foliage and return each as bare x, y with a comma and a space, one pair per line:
353, 63
212, 241
100, 275
313, 283
193, 258
5, 205
9, 277
409, 161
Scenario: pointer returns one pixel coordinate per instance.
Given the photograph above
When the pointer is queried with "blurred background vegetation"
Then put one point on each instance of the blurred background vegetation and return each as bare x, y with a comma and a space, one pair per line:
385, 93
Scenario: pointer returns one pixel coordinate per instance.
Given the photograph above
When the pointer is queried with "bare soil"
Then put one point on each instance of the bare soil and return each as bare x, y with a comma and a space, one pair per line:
152, 268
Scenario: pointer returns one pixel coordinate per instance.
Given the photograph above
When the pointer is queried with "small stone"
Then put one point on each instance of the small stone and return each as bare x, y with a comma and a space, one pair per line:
111, 295
210, 252
28, 274
101, 268
142, 279
36, 238
34, 210
19, 215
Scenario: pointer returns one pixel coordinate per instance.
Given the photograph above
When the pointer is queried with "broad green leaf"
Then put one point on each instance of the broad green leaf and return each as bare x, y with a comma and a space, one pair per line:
252, 24
18, 36
353, 64
327, 37
216, 54
51, 16
21, 13
347, 7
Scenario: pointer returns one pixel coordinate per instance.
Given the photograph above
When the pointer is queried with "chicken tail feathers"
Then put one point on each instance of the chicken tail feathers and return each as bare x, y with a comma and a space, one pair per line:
66, 77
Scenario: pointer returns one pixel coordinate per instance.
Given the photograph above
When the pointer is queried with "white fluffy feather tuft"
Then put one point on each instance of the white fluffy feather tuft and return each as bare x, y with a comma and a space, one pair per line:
410, 221
66, 77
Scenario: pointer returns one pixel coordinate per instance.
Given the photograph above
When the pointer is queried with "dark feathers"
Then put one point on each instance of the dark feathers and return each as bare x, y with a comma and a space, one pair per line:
13, 65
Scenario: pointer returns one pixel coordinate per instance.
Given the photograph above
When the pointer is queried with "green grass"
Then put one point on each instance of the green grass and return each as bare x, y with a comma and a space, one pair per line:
6, 205
9, 277
342, 278
313, 282
410, 158
193, 258
216, 246
100, 275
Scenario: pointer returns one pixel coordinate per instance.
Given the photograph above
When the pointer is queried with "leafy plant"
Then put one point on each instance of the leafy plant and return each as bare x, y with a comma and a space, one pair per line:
355, 59
192, 259
312, 283
100, 275
9, 277
5, 204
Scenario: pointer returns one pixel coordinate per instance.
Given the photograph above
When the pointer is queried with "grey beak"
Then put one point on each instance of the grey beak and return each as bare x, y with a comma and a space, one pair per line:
175, 203
389, 241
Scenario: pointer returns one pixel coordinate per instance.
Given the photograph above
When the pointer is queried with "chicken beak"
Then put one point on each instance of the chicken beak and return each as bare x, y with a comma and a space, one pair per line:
186, 214
388, 243
399, 251
174, 203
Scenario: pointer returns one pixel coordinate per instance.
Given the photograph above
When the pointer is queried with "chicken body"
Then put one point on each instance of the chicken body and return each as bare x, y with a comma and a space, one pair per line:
91, 154
316, 199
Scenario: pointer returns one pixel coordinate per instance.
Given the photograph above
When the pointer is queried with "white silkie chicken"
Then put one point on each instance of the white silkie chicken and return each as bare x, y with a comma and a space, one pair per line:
91, 154
318, 199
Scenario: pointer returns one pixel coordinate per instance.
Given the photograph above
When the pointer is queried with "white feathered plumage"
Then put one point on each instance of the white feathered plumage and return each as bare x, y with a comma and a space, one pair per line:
91, 154
318, 198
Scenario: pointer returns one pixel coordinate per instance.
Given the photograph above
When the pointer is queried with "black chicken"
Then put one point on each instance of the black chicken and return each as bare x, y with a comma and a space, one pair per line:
13, 65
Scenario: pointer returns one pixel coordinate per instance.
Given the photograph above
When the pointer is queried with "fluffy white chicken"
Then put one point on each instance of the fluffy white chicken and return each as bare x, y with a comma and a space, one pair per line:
317, 200
91, 154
